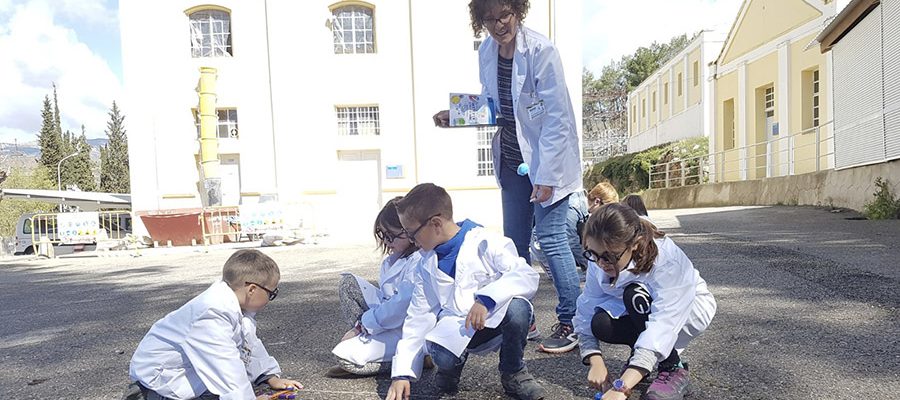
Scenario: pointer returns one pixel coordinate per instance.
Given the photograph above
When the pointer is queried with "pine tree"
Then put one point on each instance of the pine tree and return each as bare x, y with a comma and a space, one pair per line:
68, 172
56, 116
49, 139
114, 171
80, 166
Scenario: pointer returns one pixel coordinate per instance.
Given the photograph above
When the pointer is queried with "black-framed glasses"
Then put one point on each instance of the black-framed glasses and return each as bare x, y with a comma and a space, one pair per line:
272, 293
503, 19
388, 237
412, 235
605, 258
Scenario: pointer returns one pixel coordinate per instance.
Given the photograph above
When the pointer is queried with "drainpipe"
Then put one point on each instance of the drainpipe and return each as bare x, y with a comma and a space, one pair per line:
209, 146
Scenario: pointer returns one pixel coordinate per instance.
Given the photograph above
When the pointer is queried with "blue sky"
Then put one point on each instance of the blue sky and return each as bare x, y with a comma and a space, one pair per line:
75, 43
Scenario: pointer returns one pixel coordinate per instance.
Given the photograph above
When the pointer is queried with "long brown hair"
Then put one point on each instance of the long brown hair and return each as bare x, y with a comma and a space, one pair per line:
387, 222
616, 223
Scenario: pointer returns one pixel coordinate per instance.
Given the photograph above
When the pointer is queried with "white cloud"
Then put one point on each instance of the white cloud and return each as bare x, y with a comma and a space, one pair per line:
617, 28
38, 51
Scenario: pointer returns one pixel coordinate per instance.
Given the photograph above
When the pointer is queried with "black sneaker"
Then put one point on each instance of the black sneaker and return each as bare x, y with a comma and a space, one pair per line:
563, 339
522, 385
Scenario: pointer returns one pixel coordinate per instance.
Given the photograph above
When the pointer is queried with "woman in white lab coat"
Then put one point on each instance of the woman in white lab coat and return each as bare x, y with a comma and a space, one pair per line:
376, 314
641, 291
536, 154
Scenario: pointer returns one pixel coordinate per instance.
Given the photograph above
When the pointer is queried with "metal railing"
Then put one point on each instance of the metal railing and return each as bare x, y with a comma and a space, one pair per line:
220, 224
773, 158
112, 226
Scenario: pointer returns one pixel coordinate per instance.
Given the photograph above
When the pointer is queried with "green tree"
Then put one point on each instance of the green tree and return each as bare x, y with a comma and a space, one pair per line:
20, 178
114, 170
79, 169
48, 138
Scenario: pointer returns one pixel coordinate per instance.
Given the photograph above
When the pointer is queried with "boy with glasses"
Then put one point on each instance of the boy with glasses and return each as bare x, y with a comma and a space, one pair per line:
472, 295
208, 348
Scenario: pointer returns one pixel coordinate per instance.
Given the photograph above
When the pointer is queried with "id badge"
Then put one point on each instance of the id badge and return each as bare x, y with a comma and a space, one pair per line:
536, 110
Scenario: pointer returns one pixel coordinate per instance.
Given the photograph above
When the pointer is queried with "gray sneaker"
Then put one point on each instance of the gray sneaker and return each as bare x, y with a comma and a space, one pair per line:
522, 385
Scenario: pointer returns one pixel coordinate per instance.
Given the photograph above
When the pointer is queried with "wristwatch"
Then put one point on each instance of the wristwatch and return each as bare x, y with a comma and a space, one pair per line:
619, 386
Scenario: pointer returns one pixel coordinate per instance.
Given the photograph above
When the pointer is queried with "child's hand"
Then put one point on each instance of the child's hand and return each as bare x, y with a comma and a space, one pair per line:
352, 333
442, 118
279, 383
598, 375
399, 390
477, 316
614, 395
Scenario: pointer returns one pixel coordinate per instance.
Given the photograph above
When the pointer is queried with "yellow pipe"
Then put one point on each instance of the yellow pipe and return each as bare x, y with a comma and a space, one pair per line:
209, 145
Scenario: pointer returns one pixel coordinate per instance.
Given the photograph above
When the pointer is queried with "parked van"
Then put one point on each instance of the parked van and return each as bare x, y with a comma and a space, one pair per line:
28, 229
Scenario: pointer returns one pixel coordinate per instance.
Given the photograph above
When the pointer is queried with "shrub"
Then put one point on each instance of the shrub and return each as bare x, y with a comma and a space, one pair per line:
884, 205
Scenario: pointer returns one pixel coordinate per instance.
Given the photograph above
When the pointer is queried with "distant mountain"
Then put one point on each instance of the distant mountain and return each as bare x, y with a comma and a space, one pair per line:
33, 150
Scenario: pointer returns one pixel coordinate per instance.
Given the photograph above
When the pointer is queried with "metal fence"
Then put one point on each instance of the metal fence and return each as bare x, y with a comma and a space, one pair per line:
773, 158
44, 228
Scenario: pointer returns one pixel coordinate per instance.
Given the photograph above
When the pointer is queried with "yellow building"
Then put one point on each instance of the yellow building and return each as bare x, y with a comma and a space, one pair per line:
772, 92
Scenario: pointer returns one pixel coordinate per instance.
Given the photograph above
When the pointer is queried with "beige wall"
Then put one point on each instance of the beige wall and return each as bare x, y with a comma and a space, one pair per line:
766, 20
802, 63
760, 74
694, 91
727, 89
666, 97
678, 105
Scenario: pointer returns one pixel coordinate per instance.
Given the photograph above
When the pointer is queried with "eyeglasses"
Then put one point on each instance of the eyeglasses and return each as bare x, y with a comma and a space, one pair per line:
492, 22
412, 235
605, 258
389, 238
272, 293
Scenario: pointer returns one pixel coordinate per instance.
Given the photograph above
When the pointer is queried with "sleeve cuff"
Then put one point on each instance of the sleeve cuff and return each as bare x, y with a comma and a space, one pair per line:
643, 359
263, 379
488, 302
588, 348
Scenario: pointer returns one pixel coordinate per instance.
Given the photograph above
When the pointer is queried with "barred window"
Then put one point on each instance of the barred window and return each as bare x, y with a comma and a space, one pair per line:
362, 120
815, 98
485, 135
210, 33
354, 30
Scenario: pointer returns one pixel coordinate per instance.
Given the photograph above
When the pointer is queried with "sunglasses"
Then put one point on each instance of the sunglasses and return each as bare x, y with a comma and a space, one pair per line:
272, 293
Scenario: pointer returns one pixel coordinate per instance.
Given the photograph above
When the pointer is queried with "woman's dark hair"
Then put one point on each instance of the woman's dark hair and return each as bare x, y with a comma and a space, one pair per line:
616, 224
386, 223
636, 203
477, 9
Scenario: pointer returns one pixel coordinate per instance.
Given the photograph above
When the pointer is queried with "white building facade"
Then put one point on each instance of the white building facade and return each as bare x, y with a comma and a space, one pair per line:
322, 106
674, 102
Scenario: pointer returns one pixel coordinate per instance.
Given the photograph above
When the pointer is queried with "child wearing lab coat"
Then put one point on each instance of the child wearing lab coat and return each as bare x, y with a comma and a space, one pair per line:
472, 295
641, 291
376, 314
209, 347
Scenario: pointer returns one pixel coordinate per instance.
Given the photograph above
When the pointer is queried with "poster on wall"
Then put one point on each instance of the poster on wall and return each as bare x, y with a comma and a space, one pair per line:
78, 227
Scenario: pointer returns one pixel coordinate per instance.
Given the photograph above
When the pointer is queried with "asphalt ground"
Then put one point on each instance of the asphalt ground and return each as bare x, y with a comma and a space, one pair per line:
807, 309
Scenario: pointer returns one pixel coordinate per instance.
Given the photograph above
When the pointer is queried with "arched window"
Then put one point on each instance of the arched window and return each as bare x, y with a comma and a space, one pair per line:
210, 33
354, 29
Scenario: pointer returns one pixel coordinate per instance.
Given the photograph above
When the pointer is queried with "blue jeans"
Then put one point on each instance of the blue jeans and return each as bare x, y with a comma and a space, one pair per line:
518, 212
551, 229
578, 210
514, 329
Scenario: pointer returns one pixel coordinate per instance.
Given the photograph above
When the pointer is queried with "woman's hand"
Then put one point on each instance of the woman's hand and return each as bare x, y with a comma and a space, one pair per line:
352, 333
279, 383
541, 193
442, 118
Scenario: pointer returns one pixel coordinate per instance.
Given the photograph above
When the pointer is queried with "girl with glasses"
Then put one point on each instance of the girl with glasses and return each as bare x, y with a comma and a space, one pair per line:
376, 314
641, 291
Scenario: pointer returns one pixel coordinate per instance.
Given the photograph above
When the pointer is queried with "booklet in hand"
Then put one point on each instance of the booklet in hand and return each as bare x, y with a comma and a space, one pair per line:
471, 110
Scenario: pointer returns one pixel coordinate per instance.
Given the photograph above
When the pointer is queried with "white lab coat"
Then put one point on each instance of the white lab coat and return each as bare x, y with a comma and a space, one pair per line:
487, 265
206, 345
387, 311
549, 143
682, 306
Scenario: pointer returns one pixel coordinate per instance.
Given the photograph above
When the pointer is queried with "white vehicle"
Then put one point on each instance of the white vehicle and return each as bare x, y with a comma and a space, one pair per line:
116, 225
